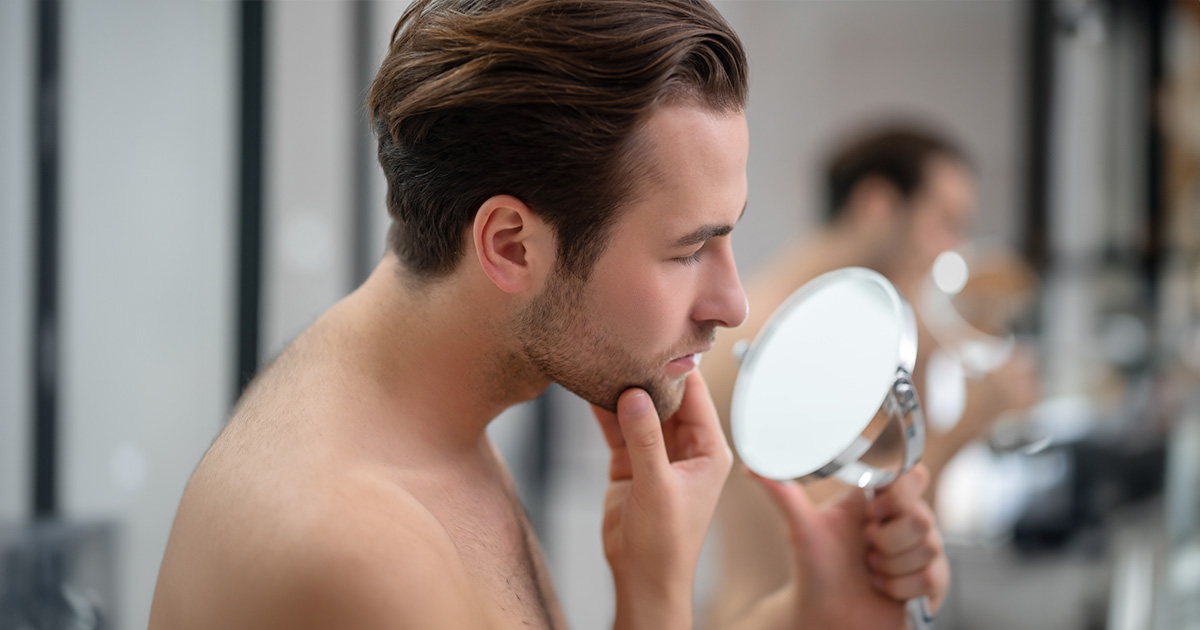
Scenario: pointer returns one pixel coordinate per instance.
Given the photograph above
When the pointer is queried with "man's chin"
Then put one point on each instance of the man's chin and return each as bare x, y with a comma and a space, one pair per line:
667, 409
667, 397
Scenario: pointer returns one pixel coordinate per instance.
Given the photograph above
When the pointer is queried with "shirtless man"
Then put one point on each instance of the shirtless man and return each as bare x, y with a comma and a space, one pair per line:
563, 178
898, 197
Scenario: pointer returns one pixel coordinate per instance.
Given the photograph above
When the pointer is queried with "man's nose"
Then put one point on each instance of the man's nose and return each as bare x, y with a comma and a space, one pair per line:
723, 302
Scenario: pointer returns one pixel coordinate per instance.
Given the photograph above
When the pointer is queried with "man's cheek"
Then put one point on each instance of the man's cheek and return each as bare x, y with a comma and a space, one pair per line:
642, 319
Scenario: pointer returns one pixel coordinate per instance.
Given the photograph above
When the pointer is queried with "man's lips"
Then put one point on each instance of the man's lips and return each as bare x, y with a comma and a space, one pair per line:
693, 354
687, 362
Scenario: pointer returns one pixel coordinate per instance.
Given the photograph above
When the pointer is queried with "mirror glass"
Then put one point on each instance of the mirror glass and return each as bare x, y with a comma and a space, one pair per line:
971, 303
814, 386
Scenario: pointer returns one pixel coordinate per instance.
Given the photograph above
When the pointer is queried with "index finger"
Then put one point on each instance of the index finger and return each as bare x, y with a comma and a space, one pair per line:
642, 433
610, 426
697, 418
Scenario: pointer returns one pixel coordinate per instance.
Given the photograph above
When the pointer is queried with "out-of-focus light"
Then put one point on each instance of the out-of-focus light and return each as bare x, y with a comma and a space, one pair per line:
865, 479
945, 391
950, 272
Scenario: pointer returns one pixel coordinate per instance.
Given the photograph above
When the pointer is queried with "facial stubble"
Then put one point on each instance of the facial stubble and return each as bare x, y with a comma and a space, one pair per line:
559, 339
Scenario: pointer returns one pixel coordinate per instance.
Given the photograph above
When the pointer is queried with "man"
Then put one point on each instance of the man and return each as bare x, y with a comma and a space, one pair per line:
563, 178
898, 196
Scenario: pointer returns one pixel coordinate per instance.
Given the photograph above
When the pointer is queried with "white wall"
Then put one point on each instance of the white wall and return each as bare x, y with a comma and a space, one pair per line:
308, 218
16, 253
819, 68
384, 16
147, 263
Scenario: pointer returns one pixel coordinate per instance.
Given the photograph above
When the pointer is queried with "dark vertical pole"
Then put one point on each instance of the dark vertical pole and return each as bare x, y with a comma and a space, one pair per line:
541, 460
362, 146
1039, 65
45, 357
250, 188
1154, 26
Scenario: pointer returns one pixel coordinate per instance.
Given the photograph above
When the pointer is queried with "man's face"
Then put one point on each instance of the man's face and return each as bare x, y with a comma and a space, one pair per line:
665, 281
940, 212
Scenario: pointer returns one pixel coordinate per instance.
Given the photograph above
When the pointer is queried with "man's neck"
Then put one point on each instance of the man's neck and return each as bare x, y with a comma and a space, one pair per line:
434, 357
825, 251
841, 245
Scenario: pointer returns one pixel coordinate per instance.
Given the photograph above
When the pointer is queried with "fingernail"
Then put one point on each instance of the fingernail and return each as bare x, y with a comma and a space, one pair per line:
637, 403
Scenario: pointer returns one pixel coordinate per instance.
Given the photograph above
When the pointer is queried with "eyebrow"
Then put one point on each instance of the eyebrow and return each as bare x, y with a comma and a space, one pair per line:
705, 232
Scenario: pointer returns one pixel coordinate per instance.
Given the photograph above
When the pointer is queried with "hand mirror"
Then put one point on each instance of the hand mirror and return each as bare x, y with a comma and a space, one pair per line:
825, 389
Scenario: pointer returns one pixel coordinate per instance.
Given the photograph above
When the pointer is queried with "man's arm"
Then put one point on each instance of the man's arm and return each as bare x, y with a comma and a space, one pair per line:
391, 568
1014, 386
369, 581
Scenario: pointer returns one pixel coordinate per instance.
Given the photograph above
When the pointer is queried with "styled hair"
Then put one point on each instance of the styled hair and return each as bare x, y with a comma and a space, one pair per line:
538, 99
898, 154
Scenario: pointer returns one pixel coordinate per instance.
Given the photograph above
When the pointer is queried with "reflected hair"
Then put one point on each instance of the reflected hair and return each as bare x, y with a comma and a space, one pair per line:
896, 153
538, 99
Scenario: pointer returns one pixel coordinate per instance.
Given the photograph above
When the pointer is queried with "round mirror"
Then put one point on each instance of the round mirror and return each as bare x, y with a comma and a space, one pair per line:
825, 389
970, 303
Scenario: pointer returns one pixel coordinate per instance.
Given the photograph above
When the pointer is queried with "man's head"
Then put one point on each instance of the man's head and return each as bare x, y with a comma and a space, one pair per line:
667, 281
538, 99
909, 188
608, 128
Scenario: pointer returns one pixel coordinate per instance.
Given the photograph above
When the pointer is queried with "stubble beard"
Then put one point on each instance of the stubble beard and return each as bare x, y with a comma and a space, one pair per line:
556, 337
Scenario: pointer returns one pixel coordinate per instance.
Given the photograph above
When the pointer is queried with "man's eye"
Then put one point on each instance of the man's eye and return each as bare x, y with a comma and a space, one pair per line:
689, 260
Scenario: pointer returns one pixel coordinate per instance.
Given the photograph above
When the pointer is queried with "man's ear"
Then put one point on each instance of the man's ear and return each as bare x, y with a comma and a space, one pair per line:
515, 247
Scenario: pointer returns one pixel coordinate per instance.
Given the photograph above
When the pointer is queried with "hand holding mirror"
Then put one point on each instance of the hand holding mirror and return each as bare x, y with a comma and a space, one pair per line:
825, 390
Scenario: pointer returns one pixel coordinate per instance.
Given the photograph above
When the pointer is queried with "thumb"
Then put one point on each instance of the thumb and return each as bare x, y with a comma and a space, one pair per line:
856, 507
643, 434
793, 501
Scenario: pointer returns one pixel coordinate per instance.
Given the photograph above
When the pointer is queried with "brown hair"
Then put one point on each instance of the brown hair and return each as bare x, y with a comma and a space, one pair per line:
539, 99
898, 153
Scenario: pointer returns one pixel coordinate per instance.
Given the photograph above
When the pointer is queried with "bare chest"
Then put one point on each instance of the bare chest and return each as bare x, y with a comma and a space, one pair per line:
500, 552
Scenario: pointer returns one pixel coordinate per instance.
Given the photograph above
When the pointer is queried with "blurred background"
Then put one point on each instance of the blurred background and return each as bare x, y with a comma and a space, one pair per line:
186, 185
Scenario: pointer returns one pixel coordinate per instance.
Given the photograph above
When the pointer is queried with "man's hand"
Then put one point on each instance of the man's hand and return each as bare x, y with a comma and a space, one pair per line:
1014, 386
858, 562
665, 478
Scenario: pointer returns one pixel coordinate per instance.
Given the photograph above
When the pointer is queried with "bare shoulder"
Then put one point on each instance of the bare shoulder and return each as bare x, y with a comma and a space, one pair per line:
377, 560
286, 523
355, 553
